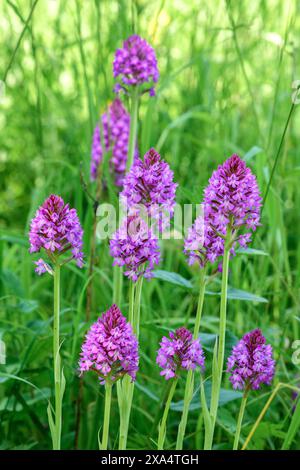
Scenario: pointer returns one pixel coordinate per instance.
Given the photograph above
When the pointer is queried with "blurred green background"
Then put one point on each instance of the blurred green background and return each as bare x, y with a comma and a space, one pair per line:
226, 74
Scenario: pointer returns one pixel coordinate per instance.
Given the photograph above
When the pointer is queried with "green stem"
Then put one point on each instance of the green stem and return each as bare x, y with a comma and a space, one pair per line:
223, 311
131, 302
162, 424
133, 127
108, 388
240, 420
125, 395
189, 386
219, 353
200, 303
56, 359
118, 283
137, 306
125, 387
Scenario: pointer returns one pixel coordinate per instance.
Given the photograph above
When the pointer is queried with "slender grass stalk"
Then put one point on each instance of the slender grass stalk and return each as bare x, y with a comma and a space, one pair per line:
189, 386
26, 25
243, 68
240, 420
56, 436
84, 62
133, 126
220, 350
277, 156
162, 424
107, 406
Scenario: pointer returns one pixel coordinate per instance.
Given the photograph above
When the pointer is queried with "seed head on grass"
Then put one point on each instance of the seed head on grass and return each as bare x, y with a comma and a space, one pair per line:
110, 347
56, 229
179, 351
251, 362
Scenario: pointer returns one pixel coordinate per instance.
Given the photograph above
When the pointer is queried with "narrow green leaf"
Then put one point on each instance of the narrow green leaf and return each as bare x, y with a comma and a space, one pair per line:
51, 422
205, 410
238, 294
62, 385
251, 251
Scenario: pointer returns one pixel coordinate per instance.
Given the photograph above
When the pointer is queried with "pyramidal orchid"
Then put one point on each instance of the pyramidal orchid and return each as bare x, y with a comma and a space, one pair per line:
115, 128
250, 365
135, 70
177, 353
231, 204
111, 350
110, 139
149, 184
231, 212
135, 64
135, 247
56, 231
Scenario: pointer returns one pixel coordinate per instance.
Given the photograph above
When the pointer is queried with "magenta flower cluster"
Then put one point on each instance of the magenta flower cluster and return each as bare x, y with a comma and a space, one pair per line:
110, 347
251, 362
57, 229
135, 63
150, 184
135, 246
231, 199
116, 128
179, 351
